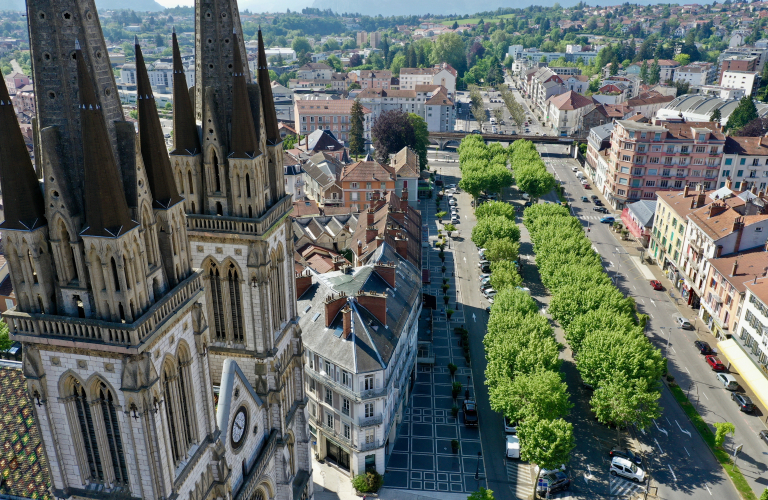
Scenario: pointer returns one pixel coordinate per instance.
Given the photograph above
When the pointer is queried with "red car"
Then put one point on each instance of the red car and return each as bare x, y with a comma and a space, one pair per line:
586, 186
656, 284
715, 363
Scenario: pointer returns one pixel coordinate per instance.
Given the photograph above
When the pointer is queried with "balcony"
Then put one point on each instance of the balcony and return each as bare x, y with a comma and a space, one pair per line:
376, 443
367, 422
334, 433
328, 382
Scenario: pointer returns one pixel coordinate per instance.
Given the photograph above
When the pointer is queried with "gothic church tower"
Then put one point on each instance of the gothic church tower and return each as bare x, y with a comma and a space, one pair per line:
112, 315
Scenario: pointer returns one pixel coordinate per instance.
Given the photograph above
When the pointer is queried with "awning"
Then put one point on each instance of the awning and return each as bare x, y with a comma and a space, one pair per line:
742, 364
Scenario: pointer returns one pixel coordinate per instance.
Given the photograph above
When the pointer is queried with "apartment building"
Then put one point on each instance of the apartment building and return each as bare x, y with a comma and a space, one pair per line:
669, 224
646, 158
725, 288
440, 74
732, 223
748, 81
361, 180
407, 171
375, 79
759, 52
360, 337
697, 74
333, 115
738, 63
564, 112
598, 149
431, 102
745, 163
667, 68
314, 71
160, 75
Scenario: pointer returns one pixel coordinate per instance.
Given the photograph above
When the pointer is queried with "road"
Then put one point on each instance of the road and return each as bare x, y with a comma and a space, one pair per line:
681, 463
492, 100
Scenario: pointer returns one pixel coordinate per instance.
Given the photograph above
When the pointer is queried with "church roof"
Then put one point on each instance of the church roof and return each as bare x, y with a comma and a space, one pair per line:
270, 115
23, 462
185, 138
22, 198
106, 210
245, 142
153, 151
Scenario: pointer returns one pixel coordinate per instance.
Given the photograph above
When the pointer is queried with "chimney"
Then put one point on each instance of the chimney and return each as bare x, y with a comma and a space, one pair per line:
371, 233
761, 194
303, 283
738, 225
753, 190
716, 209
338, 262
370, 215
718, 251
387, 273
374, 303
401, 247
404, 199
693, 203
346, 322
701, 198
333, 303
306, 142
359, 248
685, 190
734, 268
728, 183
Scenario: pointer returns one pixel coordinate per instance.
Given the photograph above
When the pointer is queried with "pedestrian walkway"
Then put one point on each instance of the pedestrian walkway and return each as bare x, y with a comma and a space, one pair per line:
621, 487
520, 474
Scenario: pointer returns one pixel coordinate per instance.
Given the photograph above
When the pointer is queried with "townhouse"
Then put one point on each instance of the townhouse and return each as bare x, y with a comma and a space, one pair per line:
564, 112
360, 180
431, 102
333, 115
745, 163
440, 74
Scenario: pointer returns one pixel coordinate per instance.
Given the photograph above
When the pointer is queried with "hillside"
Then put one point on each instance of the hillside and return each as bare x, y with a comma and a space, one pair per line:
137, 5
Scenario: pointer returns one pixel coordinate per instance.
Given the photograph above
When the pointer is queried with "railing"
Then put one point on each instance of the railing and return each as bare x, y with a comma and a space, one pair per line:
196, 222
327, 381
367, 422
376, 443
95, 330
330, 430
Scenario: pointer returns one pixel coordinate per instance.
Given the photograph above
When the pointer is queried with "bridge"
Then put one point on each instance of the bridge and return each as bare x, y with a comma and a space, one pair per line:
444, 138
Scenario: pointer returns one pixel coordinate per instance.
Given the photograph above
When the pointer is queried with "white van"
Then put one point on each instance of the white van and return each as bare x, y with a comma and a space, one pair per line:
513, 446
728, 381
579, 175
624, 468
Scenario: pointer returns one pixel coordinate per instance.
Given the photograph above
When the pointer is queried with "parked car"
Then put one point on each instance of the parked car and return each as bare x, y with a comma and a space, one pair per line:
624, 468
763, 435
715, 363
575, 169
656, 285
486, 268
598, 203
455, 219
452, 201
509, 427
728, 381
513, 446
626, 453
552, 483
594, 197
526, 196
607, 220
452, 186
585, 199
586, 186
470, 413
489, 293
481, 253
483, 263
602, 210
485, 286
702, 346
683, 323
745, 404
484, 275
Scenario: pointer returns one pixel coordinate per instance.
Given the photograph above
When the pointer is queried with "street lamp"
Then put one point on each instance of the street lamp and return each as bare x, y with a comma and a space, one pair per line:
477, 471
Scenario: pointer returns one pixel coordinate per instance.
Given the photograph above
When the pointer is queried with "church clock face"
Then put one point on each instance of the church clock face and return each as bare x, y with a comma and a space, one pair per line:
239, 425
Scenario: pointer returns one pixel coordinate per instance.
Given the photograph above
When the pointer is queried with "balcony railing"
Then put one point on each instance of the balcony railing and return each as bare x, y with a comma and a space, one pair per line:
334, 433
367, 422
258, 226
376, 443
327, 381
106, 332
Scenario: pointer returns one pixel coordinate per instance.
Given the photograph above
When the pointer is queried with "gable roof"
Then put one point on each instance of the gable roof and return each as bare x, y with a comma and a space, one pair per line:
406, 163
366, 171
569, 101
643, 211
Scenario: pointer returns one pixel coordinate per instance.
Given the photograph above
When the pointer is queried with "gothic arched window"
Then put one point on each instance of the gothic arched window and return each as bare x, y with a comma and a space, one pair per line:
234, 298
217, 303
87, 433
112, 429
171, 414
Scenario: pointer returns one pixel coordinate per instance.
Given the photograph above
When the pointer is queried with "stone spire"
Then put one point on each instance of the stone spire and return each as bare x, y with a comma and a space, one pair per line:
22, 198
185, 138
153, 150
267, 102
244, 142
106, 211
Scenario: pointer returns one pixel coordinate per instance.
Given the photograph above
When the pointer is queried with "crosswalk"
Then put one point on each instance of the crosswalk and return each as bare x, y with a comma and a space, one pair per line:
520, 475
621, 487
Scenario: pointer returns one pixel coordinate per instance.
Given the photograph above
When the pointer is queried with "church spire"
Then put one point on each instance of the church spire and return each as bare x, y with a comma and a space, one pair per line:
22, 197
267, 102
106, 211
244, 142
153, 150
185, 138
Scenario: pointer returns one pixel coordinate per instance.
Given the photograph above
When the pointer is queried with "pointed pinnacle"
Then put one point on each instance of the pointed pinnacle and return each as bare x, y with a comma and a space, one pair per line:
173, 29
135, 39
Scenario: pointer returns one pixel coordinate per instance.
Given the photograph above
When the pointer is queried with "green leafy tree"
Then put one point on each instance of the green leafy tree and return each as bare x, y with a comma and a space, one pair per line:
301, 45
534, 396
513, 300
421, 138
494, 227
683, 59
605, 353
495, 208
291, 140
744, 113
356, 141
504, 275
716, 116
654, 73
764, 495
723, 429
502, 250
534, 180
5, 340
621, 402
482, 493
449, 228
546, 443
449, 47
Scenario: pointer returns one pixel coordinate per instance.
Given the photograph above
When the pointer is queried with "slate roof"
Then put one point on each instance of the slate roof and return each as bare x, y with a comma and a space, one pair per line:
23, 463
323, 140
643, 211
371, 345
406, 163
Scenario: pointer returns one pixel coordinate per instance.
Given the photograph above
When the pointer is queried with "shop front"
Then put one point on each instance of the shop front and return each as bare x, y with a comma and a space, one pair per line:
336, 454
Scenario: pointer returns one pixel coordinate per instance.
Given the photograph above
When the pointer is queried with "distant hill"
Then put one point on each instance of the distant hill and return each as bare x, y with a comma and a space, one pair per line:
137, 5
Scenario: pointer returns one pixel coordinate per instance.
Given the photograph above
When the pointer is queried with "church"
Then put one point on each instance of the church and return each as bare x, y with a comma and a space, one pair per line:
156, 300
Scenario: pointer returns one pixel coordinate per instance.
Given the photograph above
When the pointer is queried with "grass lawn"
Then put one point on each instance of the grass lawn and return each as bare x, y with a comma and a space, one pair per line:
475, 20
709, 437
